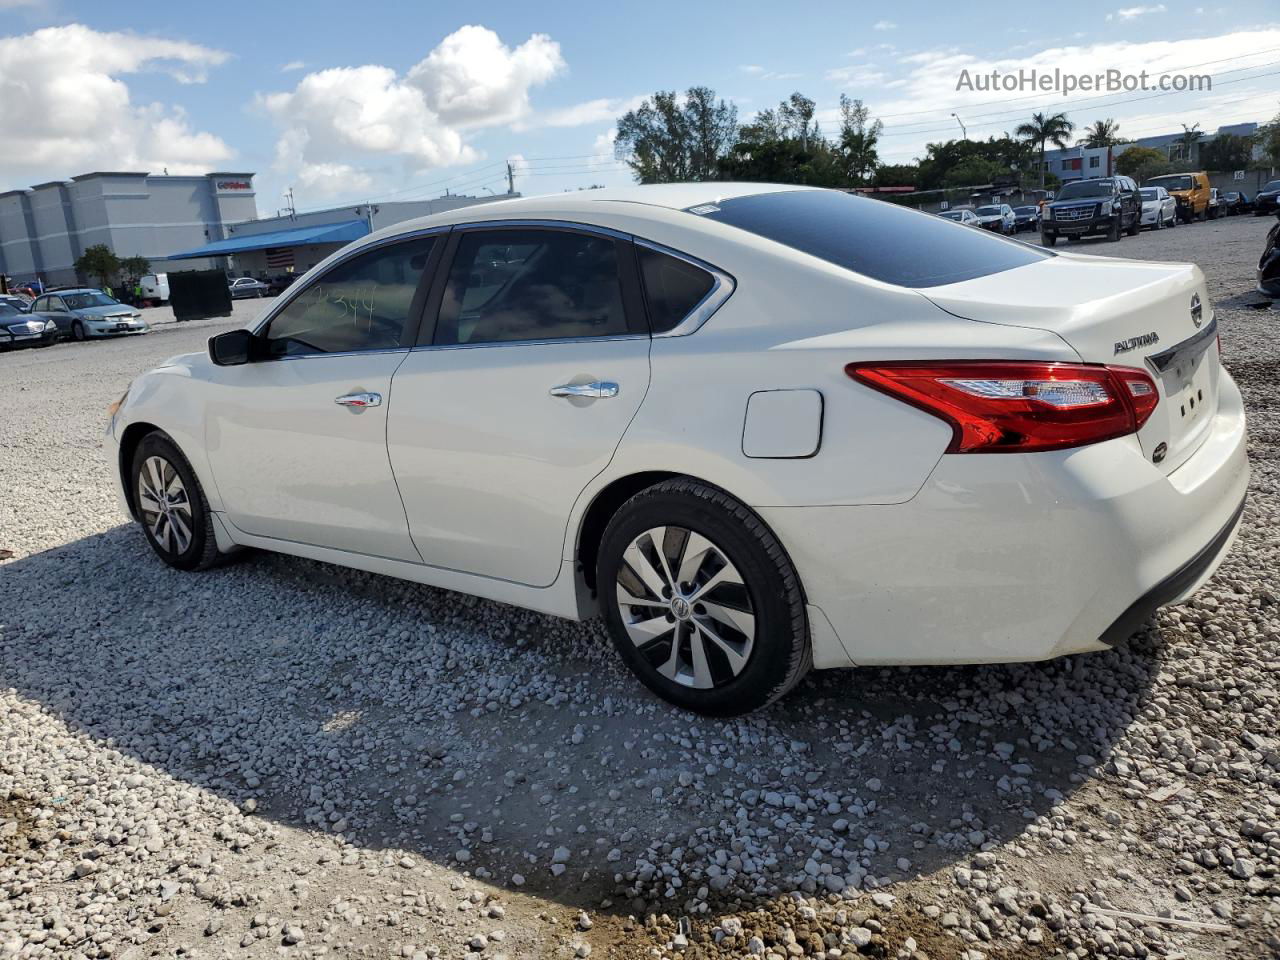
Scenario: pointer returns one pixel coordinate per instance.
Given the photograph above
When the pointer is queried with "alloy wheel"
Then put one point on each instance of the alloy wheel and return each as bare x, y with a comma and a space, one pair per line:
166, 508
686, 607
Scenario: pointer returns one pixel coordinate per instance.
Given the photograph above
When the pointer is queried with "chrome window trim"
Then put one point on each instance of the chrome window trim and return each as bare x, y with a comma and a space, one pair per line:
721, 290
572, 225
295, 289
338, 353
545, 341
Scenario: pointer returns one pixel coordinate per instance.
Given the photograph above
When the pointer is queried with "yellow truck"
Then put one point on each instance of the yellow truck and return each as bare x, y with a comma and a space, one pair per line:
1190, 191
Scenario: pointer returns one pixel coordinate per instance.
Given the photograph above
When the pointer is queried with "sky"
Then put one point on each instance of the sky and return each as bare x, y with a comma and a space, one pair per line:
346, 102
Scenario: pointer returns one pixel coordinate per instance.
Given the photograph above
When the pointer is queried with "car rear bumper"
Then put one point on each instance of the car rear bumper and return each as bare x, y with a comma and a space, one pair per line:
1017, 557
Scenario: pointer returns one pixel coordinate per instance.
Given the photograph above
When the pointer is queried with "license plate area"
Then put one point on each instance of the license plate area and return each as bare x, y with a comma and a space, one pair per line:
1188, 392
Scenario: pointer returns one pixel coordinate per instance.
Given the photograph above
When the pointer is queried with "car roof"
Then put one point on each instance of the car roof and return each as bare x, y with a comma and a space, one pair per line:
75, 290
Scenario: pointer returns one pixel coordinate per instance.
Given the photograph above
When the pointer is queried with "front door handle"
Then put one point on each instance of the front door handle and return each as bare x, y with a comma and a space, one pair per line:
359, 400
596, 390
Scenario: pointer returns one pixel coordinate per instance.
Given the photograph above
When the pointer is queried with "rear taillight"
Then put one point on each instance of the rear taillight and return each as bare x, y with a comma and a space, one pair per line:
1019, 407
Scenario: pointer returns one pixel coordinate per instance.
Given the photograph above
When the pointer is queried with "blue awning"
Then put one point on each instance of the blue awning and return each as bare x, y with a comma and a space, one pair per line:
343, 232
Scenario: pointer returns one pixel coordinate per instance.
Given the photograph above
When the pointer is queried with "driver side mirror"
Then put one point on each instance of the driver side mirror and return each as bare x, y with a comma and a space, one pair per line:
234, 347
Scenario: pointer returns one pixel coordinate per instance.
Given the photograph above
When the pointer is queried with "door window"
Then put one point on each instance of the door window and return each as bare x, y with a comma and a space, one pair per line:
514, 285
361, 304
672, 287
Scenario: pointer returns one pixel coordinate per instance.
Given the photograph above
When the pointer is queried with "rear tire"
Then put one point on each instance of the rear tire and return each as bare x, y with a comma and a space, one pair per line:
1136, 225
171, 505
719, 624
1113, 232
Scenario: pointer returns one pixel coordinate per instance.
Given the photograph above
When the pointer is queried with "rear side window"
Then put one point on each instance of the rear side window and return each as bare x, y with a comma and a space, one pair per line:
672, 287
873, 237
512, 285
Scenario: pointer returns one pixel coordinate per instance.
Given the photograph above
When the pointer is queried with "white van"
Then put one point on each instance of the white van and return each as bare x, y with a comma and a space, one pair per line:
155, 287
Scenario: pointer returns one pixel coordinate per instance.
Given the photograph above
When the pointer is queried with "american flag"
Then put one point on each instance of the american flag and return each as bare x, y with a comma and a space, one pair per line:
280, 258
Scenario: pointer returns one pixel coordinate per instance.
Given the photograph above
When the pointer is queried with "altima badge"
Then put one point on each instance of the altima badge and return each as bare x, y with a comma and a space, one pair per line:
1133, 343
1197, 311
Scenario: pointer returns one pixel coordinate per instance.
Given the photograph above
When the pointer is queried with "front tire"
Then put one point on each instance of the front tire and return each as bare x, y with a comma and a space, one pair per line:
77, 330
171, 505
701, 601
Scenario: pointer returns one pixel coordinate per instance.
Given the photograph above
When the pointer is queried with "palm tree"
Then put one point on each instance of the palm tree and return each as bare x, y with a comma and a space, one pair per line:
1103, 133
1189, 138
1055, 129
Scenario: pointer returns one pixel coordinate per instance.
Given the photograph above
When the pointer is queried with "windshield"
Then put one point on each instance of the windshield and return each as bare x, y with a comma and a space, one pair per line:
955, 215
988, 211
8, 310
1273, 185
1175, 183
1148, 193
78, 301
1024, 209
1087, 188
875, 238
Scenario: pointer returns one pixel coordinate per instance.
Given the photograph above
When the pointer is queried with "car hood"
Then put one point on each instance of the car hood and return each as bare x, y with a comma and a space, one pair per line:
102, 313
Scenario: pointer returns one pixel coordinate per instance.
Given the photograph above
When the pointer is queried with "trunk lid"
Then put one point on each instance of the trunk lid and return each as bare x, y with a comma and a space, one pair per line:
1119, 312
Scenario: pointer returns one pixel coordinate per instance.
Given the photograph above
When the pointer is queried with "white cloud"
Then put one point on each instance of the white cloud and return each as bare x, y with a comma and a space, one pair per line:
1132, 13
859, 75
885, 25
582, 114
751, 68
343, 126
77, 113
292, 66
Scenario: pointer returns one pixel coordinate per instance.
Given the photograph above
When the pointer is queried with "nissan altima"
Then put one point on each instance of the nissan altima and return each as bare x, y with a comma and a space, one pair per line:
757, 428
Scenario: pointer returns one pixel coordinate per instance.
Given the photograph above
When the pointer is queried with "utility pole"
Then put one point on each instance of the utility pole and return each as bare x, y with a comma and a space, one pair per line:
293, 212
511, 179
963, 132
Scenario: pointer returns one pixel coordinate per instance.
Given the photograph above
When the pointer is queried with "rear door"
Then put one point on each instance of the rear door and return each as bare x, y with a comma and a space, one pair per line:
518, 396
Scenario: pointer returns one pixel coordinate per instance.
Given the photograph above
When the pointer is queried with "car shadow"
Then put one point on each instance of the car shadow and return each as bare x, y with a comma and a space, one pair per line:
417, 719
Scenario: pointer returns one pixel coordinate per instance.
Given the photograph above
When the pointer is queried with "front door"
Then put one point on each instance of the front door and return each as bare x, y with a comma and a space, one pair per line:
297, 441
538, 362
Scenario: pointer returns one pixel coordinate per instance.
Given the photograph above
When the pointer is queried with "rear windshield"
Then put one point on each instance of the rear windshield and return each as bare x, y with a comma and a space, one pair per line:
875, 238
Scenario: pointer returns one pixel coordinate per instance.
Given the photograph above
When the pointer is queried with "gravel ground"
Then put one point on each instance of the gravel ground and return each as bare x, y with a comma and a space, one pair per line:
281, 757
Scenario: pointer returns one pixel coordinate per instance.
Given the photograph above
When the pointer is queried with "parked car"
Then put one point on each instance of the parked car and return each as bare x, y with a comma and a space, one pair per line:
1215, 204
1191, 191
242, 287
84, 312
17, 301
1106, 205
998, 217
1234, 202
278, 285
1026, 218
1159, 210
1269, 264
155, 288
1267, 200
641, 418
20, 329
963, 215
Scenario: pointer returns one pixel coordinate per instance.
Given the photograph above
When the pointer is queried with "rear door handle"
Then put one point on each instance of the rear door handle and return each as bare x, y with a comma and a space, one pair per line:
359, 400
596, 390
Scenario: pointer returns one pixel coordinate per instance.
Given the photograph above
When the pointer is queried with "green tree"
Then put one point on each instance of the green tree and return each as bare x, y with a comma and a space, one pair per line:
1042, 130
858, 139
1103, 133
974, 171
1227, 151
669, 138
785, 145
897, 175
1268, 138
98, 261
135, 267
1142, 163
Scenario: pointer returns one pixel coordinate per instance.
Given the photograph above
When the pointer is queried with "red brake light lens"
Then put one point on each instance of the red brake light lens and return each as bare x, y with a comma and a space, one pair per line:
1019, 407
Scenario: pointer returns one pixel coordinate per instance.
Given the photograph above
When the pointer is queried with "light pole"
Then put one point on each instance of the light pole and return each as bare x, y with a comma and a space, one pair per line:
963, 132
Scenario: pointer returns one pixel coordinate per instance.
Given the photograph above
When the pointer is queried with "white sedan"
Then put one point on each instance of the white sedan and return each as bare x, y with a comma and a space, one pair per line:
1159, 209
757, 428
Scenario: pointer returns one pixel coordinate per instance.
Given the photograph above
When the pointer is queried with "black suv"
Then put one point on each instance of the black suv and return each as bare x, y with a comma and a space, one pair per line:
1108, 205
1267, 200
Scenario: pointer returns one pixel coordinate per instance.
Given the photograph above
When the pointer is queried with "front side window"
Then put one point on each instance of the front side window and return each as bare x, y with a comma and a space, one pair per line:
513, 285
361, 304
875, 238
